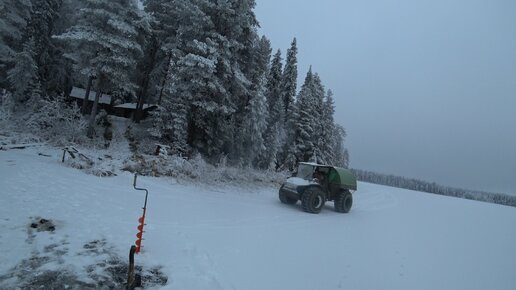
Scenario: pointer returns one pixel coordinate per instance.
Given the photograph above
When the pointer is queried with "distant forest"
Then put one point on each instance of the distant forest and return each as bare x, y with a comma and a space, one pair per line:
432, 187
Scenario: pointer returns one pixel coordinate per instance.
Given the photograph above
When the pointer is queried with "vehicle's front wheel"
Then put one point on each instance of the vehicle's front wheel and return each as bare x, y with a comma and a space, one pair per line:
313, 200
343, 202
285, 199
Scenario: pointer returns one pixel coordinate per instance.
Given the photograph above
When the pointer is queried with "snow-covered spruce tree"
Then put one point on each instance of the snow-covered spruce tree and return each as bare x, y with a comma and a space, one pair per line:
209, 46
68, 15
345, 159
254, 125
61, 73
140, 21
170, 124
39, 30
255, 118
167, 18
289, 79
318, 94
274, 101
144, 73
274, 130
184, 42
36, 39
104, 43
196, 81
235, 27
178, 26
14, 15
327, 155
6, 108
212, 68
23, 77
303, 148
309, 121
140, 76
288, 93
58, 72
341, 153
249, 118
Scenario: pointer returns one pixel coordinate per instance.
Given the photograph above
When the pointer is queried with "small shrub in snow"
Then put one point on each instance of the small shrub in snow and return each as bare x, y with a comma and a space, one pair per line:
56, 121
10, 137
197, 169
51, 119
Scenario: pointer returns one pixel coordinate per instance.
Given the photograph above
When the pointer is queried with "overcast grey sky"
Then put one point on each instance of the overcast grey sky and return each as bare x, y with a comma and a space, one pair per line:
424, 88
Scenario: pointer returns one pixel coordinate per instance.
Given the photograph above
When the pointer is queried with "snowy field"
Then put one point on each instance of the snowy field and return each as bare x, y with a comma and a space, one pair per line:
207, 237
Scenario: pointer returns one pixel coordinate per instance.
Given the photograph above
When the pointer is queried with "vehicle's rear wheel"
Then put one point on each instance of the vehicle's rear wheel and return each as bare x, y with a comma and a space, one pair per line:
313, 200
285, 199
343, 202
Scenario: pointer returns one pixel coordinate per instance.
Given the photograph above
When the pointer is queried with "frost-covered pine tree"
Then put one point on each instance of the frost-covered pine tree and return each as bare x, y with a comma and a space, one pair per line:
274, 131
104, 44
14, 15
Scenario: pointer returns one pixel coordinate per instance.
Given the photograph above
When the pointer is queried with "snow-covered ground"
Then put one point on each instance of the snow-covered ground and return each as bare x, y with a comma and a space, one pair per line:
207, 237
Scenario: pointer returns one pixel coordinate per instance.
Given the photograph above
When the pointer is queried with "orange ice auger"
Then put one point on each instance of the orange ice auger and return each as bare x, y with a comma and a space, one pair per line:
141, 220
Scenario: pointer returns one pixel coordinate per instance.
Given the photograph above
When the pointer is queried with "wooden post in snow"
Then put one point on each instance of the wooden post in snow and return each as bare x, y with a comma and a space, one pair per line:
84, 108
91, 123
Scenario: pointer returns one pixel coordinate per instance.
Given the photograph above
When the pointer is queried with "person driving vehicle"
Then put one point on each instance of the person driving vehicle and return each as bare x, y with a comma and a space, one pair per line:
319, 176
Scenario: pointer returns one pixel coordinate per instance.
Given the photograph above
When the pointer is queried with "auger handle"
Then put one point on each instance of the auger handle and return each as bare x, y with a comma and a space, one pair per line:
146, 191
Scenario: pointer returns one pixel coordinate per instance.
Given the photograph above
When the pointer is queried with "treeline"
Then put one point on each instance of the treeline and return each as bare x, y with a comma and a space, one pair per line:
432, 187
219, 89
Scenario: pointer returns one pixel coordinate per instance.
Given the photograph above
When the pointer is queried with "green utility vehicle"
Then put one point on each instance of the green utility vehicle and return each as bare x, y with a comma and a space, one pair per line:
314, 184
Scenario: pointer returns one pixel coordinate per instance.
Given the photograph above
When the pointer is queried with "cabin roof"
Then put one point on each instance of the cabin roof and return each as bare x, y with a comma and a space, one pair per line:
79, 93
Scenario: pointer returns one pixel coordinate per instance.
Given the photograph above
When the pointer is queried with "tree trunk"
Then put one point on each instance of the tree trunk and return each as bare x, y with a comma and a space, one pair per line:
138, 114
164, 78
144, 85
85, 102
91, 123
